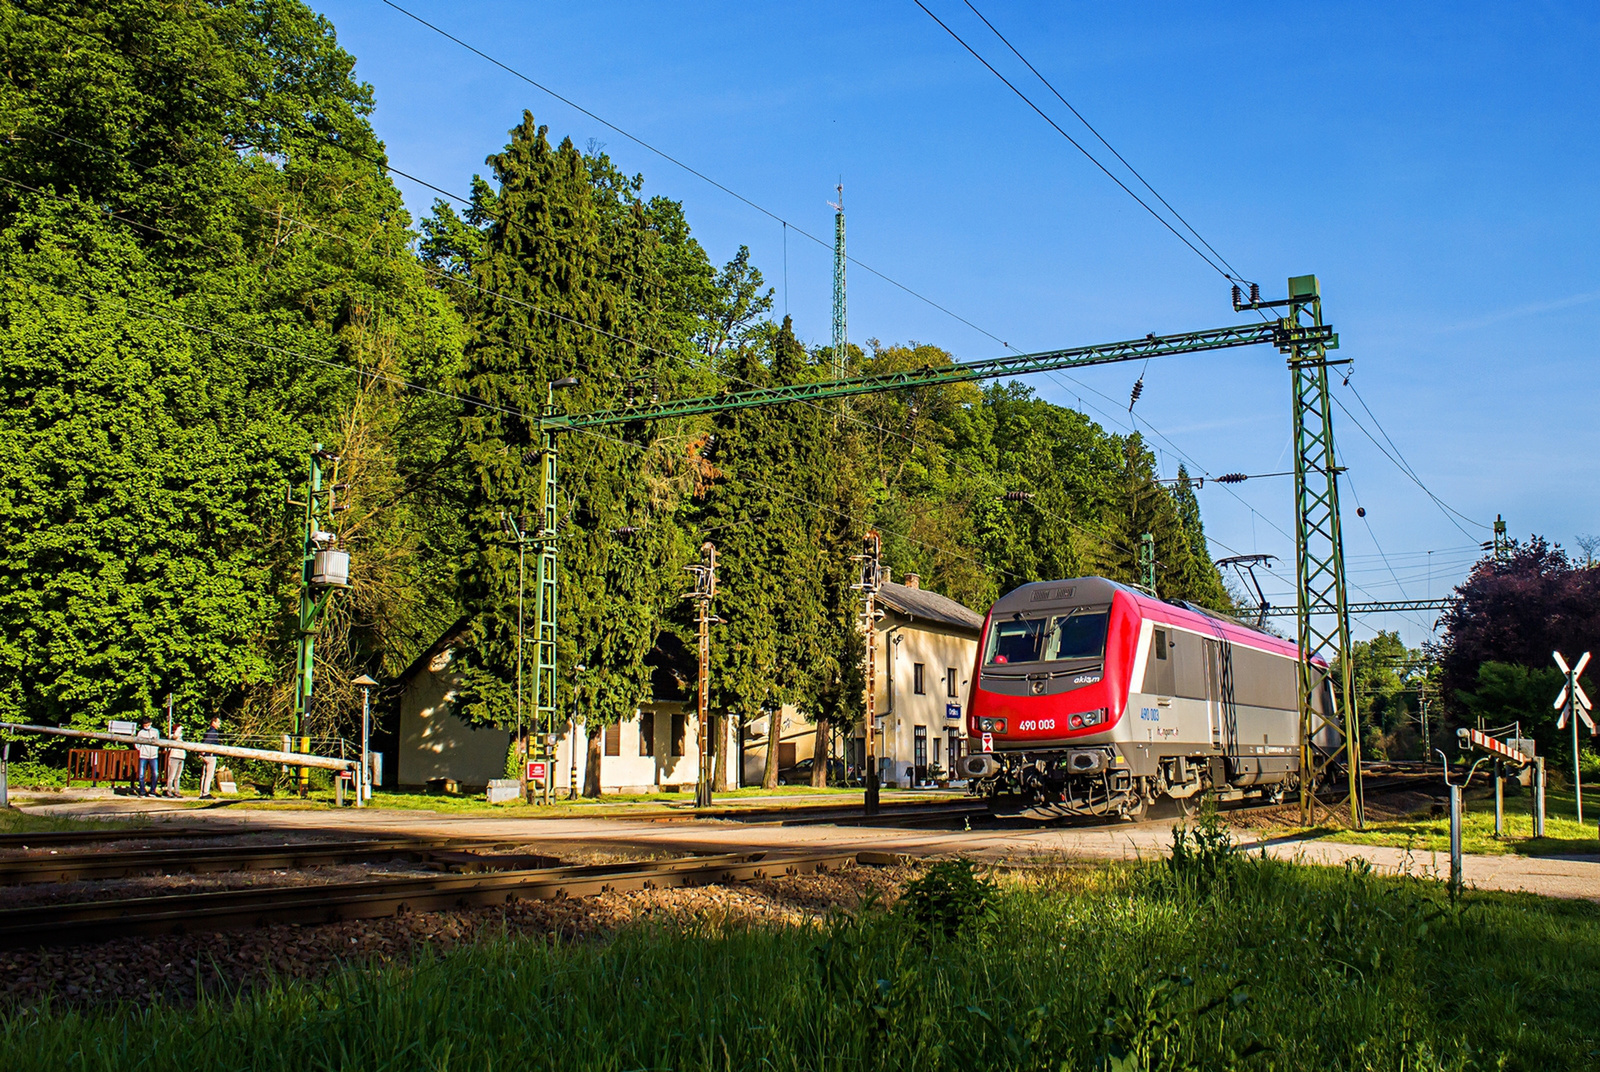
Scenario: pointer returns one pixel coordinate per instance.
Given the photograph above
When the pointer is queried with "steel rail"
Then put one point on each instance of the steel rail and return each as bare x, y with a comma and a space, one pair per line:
51, 925
853, 814
77, 867
44, 839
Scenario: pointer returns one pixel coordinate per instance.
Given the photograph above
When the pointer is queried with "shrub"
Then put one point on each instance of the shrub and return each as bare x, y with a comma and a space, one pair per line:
948, 899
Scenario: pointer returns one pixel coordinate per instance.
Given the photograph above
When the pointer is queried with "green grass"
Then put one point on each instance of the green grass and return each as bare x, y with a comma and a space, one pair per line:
1213, 963
1426, 833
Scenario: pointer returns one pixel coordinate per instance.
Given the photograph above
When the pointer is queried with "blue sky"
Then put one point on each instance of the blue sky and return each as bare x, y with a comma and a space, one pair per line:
1434, 165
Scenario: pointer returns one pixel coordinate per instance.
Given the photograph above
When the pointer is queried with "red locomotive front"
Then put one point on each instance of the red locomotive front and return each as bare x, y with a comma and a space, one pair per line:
1054, 670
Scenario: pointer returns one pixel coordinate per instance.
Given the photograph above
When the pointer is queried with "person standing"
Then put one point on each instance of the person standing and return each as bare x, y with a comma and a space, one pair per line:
149, 751
175, 758
208, 762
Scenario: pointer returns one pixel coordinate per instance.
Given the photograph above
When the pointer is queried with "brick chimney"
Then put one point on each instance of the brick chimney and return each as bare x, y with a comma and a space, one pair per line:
913, 580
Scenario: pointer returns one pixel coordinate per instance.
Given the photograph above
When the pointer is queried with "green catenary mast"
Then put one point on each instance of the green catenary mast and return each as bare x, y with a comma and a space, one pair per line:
841, 334
323, 567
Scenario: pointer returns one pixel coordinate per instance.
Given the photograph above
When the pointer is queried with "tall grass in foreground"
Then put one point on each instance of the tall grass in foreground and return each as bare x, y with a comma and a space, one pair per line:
1211, 961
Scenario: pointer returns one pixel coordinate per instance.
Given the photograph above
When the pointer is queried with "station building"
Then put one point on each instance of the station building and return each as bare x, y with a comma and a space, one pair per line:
926, 648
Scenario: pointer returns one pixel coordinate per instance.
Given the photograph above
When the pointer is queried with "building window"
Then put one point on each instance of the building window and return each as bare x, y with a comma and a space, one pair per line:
950, 682
917, 685
613, 738
680, 723
647, 733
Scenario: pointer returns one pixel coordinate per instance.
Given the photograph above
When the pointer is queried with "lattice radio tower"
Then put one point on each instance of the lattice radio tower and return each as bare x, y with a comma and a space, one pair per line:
841, 335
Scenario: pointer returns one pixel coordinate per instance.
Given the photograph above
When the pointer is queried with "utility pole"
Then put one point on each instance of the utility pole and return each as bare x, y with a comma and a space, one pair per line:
1147, 562
514, 530
1422, 703
1502, 543
704, 573
323, 567
871, 579
841, 334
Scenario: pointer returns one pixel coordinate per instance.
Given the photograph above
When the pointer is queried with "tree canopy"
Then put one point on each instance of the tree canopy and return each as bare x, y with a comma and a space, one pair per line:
205, 270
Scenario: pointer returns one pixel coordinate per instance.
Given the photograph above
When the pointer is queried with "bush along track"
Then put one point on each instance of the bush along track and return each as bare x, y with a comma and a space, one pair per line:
1212, 960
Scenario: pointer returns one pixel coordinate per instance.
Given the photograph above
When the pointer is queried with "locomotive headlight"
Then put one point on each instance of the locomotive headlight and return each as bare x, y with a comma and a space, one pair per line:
1077, 722
1093, 718
992, 725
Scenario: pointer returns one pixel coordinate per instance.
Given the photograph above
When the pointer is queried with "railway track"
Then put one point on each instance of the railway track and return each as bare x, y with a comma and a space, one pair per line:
215, 910
45, 839
892, 813
80, 866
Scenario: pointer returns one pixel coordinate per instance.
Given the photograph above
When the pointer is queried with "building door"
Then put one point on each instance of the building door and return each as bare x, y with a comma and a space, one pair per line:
953, 749
919, 759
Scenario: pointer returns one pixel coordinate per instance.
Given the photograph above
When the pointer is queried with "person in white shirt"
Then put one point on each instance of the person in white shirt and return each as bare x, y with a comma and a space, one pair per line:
148, 754
175, 758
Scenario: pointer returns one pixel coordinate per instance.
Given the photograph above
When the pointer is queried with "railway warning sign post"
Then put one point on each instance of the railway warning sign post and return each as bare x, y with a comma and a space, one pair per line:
1573, 703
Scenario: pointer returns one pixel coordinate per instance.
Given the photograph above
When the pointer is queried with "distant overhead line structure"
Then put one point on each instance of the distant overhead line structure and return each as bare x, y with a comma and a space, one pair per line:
1377, 607
1322, 609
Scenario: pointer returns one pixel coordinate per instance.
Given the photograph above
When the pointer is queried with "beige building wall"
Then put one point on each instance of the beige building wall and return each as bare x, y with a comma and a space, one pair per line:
938, 710
435, 742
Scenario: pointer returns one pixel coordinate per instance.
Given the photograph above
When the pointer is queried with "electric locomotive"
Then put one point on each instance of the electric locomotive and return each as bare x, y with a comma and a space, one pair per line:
1099, 699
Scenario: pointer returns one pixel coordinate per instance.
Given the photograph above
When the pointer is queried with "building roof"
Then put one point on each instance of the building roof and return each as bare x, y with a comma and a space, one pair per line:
919, 604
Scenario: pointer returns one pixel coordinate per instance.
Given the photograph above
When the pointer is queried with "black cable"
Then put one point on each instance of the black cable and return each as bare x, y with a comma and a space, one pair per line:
1411, 472
1103, 141
1399, 465
1075, 144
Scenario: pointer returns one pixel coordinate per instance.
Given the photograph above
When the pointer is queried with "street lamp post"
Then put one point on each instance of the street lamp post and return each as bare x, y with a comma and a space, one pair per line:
364, 781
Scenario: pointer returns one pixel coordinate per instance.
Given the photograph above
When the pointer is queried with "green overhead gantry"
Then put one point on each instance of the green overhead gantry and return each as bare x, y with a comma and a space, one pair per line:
1299, 333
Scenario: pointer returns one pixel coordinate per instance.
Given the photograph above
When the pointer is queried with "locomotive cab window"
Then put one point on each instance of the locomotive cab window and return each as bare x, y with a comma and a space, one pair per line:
1080, 635
1015, 641
1161, 644
1076, 634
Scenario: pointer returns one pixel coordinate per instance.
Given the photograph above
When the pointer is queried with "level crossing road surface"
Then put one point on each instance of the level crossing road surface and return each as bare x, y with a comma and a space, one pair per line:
1564, 876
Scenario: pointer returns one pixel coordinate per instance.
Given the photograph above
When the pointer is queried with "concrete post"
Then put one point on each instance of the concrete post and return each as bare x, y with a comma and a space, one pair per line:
1455, 838
1538, 797
1499, 800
